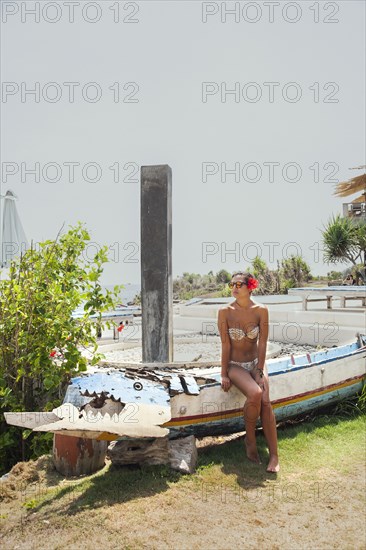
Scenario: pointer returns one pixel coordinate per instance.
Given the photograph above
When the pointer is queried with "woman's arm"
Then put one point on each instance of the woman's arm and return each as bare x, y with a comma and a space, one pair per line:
225, 349
263, 337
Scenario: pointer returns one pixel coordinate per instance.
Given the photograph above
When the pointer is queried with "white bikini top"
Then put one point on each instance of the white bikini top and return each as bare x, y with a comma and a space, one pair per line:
238, 333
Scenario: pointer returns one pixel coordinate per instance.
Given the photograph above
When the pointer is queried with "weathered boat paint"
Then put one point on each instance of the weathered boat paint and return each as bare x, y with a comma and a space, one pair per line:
146, 403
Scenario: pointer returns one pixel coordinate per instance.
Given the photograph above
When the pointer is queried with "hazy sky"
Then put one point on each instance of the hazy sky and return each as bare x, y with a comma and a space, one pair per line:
273, 92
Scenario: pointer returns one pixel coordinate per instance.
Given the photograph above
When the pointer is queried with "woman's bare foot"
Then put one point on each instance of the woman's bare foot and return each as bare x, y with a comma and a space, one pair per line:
252, 453
273, 464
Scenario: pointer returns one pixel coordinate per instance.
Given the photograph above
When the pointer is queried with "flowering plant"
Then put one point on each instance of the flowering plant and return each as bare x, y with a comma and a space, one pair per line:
252, 283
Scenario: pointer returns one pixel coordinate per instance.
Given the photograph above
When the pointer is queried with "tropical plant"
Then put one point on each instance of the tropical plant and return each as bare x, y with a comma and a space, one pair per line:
268, 282
42, 343
344, 240
295, 271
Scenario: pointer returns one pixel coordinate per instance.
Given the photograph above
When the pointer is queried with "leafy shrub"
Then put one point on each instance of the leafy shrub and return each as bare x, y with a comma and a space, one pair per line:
41, 342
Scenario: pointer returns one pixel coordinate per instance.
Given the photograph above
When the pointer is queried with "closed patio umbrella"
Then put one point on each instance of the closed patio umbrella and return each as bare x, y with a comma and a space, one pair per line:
12, 238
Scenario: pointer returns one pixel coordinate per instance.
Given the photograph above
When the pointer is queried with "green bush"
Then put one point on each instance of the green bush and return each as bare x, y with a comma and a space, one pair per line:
41, 343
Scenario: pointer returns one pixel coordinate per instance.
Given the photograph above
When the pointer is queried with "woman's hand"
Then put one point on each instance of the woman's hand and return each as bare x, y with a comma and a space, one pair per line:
259, 378
225, 383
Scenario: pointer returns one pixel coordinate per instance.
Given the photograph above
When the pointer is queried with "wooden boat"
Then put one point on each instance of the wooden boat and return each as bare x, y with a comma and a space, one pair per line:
156, 401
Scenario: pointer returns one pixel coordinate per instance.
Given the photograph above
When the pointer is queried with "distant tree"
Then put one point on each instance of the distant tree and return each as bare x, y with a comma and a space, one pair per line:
190, 285
259, 266
137, 299
191, 278
295, 270
266, 278
223, 276
208, 280
332, 275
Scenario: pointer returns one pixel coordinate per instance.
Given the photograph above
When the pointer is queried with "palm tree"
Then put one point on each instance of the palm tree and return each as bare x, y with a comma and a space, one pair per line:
344, 240
340, 240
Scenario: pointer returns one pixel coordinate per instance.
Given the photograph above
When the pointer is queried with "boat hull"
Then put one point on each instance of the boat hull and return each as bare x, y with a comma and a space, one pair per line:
220, 421
151, 403
293, 391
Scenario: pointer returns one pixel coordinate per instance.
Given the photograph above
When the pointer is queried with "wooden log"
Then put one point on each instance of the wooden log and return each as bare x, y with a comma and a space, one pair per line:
181, 453
139, 451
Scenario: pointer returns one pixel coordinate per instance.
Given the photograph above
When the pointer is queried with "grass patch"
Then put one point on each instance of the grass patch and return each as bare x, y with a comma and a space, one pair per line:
322, 460
330, 441
305, 447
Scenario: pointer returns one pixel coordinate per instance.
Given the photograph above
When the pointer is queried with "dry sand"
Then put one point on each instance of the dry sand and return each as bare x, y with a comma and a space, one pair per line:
287, 513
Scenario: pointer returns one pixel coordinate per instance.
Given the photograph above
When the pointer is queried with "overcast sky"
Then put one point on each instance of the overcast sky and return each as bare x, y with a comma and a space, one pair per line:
149, 83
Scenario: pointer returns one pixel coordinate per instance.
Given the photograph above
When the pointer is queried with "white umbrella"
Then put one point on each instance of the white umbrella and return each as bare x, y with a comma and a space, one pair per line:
13, 241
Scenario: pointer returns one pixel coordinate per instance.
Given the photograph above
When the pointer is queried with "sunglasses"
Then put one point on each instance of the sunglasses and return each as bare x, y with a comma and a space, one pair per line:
238, 284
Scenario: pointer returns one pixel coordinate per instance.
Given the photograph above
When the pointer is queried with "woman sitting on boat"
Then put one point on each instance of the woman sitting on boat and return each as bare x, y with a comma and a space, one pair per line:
243, 327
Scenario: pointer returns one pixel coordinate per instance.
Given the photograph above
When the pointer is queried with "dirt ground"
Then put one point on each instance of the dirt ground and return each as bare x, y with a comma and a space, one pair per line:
215, 508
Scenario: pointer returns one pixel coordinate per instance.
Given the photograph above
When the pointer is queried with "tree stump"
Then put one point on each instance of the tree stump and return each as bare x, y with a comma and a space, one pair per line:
75, 456
180, 454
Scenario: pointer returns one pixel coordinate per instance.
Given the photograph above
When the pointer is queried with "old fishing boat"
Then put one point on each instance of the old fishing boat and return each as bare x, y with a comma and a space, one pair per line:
155, 401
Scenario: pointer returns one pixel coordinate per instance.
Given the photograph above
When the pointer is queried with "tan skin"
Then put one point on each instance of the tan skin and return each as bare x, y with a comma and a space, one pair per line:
245, 314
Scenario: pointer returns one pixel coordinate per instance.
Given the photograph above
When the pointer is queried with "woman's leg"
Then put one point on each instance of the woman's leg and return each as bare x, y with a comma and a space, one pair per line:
269, 426
243, 380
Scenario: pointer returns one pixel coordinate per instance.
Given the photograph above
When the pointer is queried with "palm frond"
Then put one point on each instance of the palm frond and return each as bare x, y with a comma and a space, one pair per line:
354, 185
341, 240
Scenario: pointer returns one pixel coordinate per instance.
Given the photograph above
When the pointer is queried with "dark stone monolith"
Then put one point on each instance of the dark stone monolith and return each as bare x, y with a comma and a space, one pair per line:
156, 264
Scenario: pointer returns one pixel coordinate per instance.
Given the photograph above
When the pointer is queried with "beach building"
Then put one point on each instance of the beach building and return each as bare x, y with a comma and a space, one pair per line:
356, 208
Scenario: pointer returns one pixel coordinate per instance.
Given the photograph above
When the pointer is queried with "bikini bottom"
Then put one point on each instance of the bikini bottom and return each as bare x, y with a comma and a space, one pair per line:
249, 365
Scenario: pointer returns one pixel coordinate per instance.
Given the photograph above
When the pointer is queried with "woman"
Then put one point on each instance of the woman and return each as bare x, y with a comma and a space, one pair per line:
243, 327
349, 280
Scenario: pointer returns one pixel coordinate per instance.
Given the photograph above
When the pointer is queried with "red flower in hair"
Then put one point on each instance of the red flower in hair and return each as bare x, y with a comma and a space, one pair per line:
252, 283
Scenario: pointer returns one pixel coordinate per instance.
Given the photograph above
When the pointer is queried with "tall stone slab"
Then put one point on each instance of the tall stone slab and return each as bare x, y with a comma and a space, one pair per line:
156, 264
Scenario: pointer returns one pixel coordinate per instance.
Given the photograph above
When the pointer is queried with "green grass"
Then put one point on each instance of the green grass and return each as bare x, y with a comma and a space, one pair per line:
322, 464
328, 444
324, 443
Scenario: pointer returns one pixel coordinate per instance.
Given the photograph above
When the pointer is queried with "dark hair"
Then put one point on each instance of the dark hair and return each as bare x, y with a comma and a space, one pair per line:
245, 274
